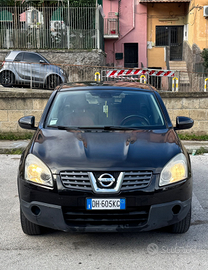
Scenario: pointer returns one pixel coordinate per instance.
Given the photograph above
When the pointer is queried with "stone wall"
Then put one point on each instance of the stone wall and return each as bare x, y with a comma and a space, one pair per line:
192, 56
71, 57
194, 105
14, 105
188, 56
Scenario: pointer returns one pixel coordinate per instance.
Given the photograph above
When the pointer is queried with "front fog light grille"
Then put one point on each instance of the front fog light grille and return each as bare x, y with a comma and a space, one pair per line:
129, 217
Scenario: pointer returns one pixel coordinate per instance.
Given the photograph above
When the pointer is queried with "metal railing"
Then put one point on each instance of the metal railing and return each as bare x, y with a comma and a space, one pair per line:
32, 75
196, 81
51, 27
111, 27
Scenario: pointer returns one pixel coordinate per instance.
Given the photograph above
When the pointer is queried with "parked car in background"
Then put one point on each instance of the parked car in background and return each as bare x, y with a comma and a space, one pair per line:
24, 68
105, 157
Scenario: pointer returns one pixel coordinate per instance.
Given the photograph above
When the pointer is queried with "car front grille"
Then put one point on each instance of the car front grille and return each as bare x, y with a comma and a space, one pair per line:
103, 217
76, 180
80, 180
136, 179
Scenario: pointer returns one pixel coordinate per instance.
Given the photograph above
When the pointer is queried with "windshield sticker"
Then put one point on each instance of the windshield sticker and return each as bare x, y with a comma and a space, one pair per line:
53, 121
105, 109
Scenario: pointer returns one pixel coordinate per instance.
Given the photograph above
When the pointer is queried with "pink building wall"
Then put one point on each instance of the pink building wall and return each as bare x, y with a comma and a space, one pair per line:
132, 29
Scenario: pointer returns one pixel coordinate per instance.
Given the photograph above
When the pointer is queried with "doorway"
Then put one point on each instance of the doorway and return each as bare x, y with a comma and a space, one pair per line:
130, 55
176, 42
171, 36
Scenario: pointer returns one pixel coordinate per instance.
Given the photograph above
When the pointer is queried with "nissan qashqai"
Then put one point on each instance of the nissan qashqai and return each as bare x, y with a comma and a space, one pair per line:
105, 157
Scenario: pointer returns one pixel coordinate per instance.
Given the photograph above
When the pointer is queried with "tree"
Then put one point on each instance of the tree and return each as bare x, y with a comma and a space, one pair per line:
204, 55
7, 3
48, 3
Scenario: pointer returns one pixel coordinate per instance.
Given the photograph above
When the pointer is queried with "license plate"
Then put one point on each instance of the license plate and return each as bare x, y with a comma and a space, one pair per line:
106, 204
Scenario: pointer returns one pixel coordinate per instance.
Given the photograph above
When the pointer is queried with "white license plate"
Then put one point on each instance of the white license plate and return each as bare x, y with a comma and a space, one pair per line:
106, 204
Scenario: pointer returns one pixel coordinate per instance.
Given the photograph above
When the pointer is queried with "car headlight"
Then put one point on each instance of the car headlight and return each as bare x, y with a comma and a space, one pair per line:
36, 171
175, 170
63, 73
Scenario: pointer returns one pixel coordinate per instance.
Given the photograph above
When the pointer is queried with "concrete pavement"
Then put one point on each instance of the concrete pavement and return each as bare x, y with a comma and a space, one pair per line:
105, 251
7, 147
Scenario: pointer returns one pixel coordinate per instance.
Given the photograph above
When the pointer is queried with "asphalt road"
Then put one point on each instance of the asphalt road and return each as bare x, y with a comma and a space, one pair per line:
59, 250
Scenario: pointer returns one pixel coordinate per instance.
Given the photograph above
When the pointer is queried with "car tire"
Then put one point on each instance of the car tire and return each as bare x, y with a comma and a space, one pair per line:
181, 226
7, 78
53, 81
29, 227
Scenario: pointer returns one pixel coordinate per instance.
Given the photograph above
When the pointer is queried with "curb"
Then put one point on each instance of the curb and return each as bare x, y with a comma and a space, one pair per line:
16, 147
193, 147
14, 151
13, 147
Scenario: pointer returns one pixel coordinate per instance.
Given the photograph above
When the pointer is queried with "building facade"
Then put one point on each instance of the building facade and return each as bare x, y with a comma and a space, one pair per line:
165, 31
151, 33
125, 33
197, 34
176, 31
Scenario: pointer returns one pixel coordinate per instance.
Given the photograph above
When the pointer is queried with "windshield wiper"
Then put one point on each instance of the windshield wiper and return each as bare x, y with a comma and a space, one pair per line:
119, 128
94, 127
63, 127
108, 128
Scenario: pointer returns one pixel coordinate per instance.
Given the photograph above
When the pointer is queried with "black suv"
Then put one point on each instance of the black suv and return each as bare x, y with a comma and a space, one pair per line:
105, 157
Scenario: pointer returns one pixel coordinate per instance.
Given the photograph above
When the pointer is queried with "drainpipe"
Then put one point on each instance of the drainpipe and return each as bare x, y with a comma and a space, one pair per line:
128, 31
97, 27
133, 23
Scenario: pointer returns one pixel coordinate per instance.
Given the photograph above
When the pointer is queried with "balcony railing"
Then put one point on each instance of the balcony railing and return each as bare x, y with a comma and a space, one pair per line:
111, 28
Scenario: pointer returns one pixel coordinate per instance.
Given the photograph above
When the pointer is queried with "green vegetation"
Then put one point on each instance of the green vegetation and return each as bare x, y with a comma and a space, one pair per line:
204, 55
13, 152
201, 151
28, 136
15, 137
47, 3
193, 137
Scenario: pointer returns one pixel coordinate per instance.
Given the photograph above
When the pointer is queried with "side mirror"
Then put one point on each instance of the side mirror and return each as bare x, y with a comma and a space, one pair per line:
27, 122
183, 122
42, 62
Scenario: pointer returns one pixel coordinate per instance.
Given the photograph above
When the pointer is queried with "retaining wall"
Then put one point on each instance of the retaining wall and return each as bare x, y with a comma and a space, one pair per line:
70, 57
78, 64
14, 105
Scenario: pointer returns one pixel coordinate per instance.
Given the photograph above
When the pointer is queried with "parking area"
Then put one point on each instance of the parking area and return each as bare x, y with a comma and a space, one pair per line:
59, 250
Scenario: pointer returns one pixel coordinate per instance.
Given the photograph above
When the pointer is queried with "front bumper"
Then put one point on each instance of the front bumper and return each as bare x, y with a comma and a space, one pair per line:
52, 216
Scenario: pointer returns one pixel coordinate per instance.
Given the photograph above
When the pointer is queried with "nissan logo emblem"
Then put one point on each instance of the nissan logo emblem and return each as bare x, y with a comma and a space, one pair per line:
106, 180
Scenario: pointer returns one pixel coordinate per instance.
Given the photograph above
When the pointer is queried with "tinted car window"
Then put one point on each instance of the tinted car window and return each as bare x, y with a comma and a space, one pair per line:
18, 58
100, 108
32, 58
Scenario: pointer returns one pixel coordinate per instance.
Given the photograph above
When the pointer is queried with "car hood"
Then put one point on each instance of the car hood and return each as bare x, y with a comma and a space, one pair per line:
106, 150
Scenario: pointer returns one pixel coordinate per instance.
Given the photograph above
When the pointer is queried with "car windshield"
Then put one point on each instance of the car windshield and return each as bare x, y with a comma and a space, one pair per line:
108, 109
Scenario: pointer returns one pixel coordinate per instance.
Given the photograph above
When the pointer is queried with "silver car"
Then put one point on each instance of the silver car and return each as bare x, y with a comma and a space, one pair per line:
26, 68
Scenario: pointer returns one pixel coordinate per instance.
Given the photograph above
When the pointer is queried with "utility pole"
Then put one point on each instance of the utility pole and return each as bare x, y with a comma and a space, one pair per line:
15, 25
68, 29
